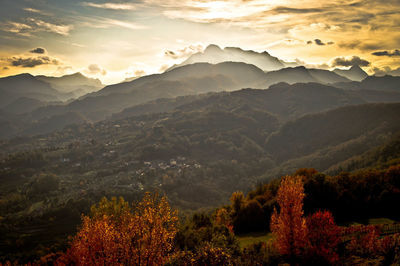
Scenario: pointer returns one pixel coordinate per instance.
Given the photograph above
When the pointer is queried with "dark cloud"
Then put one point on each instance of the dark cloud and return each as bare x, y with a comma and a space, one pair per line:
330, 43
5, 68
309, 42
354, 61
319, 42
38, 50
286, 10
170, 53
32, 61
184, 52
387, 53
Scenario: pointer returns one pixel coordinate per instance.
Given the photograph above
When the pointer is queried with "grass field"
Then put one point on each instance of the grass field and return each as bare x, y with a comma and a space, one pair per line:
248, 239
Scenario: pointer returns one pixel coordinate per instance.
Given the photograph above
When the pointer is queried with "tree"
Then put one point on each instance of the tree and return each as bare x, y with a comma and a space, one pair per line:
115, 234
324, 236
237, 200
288, 226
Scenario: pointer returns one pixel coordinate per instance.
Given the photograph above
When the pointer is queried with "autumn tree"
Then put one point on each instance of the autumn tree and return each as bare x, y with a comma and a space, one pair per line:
237, 200
324, 237
117, 234
289, 226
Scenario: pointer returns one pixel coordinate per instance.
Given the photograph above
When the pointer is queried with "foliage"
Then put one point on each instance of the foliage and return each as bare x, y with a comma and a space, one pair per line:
289, 225
205, 255
143, 236
323, 237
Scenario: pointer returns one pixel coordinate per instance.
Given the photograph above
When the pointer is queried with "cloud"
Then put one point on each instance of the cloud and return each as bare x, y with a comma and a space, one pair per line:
32, 25
311, 65
163, 68
47, 26
124, 24
387, 53
319, 42
363, 45
6, 68
38, 50
33, 10
386, 70
139, 73
346, 62
113, 6
62, 70
95, 69
184, 52
30, 62
284, 9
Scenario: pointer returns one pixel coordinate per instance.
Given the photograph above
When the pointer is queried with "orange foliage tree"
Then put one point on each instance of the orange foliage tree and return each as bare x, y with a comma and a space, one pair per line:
117, 234
289, 226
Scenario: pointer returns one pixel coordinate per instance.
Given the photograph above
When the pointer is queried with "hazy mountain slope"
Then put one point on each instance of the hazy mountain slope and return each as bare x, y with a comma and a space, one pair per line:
23, 105
354, 73
383, 84
230, 75
326, 76
317, 131
213, 54
284, 100
380, 156
77, 84
301, 74
191, 79
54, 123
26, 85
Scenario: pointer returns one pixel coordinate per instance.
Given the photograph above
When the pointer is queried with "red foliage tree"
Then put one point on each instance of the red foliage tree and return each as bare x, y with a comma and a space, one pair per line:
323, 236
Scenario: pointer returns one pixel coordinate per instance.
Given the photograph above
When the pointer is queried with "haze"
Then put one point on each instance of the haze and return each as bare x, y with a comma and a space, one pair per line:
116, 40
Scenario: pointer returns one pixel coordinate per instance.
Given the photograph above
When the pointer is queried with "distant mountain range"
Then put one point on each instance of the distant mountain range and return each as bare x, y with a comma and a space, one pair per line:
77, 84
24, 93
36, 100
213, 54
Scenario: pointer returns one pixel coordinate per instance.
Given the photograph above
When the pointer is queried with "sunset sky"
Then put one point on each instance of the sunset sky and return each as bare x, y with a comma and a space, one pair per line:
113, 40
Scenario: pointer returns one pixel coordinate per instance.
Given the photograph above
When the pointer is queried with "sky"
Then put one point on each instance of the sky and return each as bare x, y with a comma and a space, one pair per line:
113, 40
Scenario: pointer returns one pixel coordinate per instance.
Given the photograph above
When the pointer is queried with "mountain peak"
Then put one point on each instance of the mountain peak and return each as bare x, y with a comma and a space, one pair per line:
213, 54
356, 67
212, 48
355, 73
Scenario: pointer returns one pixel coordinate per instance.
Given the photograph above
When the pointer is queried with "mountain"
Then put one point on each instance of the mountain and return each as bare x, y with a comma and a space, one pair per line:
26, 85
333, 130
187, 80
77, 84
375, 83
283, 100
301, 74
286, 101
24, 105
355, 73
197, 78
213, 54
